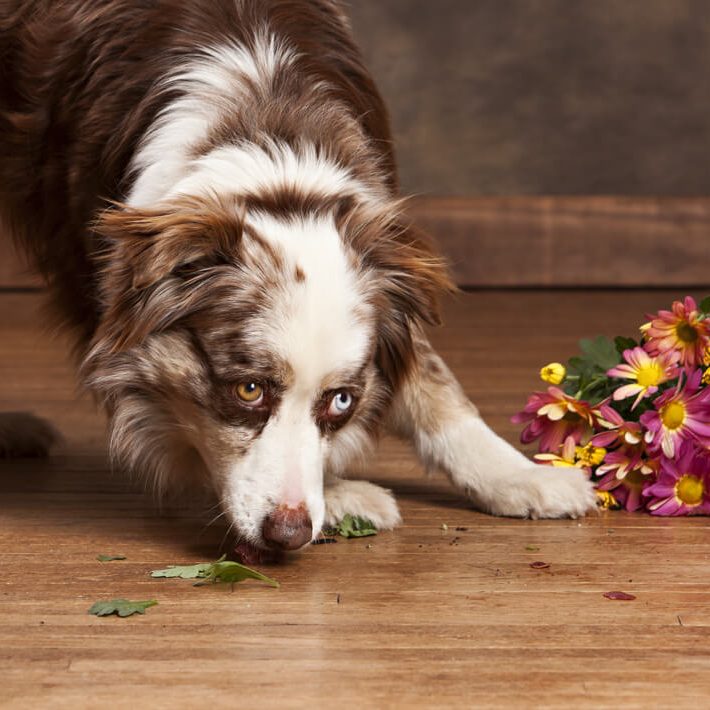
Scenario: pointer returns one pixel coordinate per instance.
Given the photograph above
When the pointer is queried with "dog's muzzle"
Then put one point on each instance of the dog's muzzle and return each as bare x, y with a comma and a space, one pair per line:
288, 528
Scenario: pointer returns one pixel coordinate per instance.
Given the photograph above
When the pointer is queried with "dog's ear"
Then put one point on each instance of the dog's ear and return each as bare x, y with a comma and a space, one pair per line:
151, 244
410, 281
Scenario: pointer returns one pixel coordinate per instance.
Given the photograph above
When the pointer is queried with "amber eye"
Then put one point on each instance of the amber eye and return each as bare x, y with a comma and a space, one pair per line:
251, 393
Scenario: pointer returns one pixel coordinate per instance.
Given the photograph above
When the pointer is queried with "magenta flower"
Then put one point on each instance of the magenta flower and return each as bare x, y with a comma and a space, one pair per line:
680, 330
647, 373
618, 430
552, 416
626, 472
683, 484
680, 414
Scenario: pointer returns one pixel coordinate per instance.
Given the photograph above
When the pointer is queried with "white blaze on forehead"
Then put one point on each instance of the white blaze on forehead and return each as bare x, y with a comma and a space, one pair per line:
319, 325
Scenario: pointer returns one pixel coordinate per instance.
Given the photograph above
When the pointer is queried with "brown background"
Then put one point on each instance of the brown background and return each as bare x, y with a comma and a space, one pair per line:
542, 100
494, 97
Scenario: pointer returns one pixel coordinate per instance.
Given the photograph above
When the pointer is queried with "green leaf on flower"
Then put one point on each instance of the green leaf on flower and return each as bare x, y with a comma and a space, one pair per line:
600, 352
355, 526
222, 570
120, 607
110, 558
705, 305
622, 343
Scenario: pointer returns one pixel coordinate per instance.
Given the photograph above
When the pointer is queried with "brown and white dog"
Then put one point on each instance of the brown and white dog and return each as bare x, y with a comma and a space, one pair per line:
209, 188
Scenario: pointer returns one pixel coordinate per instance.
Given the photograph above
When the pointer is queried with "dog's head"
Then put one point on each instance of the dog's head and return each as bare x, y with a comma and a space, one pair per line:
257, 345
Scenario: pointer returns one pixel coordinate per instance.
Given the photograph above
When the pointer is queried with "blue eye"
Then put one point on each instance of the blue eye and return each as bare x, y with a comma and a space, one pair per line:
341, 403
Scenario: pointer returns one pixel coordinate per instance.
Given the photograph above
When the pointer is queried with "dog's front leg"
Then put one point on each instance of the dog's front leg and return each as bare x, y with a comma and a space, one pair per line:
432, 411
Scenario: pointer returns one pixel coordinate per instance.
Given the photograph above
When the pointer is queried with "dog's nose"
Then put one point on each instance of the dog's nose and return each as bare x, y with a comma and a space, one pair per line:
289, 528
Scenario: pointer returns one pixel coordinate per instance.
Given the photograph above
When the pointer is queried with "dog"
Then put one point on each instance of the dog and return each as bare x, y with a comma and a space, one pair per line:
209, 189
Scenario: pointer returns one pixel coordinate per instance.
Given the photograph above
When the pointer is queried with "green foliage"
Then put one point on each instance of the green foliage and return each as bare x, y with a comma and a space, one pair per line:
600, 352
705, 305
110, 558
120, 607
355, 526
222, 570
586, 374
623, 343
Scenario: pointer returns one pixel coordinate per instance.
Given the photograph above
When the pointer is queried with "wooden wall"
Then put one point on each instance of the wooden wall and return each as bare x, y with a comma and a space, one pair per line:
550, 241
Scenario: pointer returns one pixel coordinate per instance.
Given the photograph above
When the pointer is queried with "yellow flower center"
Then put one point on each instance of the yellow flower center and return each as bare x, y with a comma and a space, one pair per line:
689, 490
706, 376
673, 415
651, 374
686, 333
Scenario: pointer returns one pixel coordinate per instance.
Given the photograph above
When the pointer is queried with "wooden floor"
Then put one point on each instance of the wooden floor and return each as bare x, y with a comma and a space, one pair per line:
421, 617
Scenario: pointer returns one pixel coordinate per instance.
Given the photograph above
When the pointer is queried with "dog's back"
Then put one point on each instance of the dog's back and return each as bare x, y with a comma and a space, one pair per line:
81, 84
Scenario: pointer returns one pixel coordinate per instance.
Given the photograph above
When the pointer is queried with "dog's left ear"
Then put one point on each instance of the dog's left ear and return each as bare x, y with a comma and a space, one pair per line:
151, 244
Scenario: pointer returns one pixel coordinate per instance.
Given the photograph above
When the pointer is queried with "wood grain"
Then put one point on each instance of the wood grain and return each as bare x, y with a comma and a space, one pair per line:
419, 617
571, 241
547, 241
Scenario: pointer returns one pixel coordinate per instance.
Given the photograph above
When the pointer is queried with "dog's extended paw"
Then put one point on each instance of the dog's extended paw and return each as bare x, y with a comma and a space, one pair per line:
544, 492
363, 499
23, 435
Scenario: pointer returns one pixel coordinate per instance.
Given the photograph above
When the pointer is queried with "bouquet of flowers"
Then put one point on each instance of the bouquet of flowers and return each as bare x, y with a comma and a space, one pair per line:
634, 414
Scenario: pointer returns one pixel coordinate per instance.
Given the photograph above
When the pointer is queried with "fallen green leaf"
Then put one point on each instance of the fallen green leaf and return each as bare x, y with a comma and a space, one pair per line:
355, 526
121, 607
186, 571
110, 558
222, 570
532, 548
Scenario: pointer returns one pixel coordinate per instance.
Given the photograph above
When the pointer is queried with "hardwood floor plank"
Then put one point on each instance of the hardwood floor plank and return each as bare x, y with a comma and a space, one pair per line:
418, 617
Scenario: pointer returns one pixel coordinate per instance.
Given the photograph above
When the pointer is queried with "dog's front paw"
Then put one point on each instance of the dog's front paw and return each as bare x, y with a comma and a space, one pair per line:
363, 499
544, 492
23, 435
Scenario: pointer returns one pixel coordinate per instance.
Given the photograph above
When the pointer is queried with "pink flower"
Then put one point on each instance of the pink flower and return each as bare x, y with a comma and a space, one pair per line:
552, 416
680, 330
626, 472
618, 430
646, 372
680, 414
683, 484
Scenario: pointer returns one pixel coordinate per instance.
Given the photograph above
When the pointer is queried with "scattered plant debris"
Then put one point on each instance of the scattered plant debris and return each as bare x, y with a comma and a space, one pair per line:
461, 528
539, 565
532, 548
120, 607
355, 526
324, 541
222, 570
444, 527
619, 596
455, 540
110, 558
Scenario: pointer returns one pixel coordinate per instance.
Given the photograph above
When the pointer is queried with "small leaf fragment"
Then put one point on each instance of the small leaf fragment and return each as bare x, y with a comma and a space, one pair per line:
120, 607
110, 558
619, 596
539, 565
355, 526
532, 548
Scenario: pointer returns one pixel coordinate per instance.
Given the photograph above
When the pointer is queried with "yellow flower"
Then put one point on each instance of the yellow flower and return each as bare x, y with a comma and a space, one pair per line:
607, 501
706, 377
590, 455
553, 373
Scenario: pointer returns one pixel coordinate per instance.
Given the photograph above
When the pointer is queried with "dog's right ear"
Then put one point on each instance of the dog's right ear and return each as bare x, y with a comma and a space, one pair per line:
151, 244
